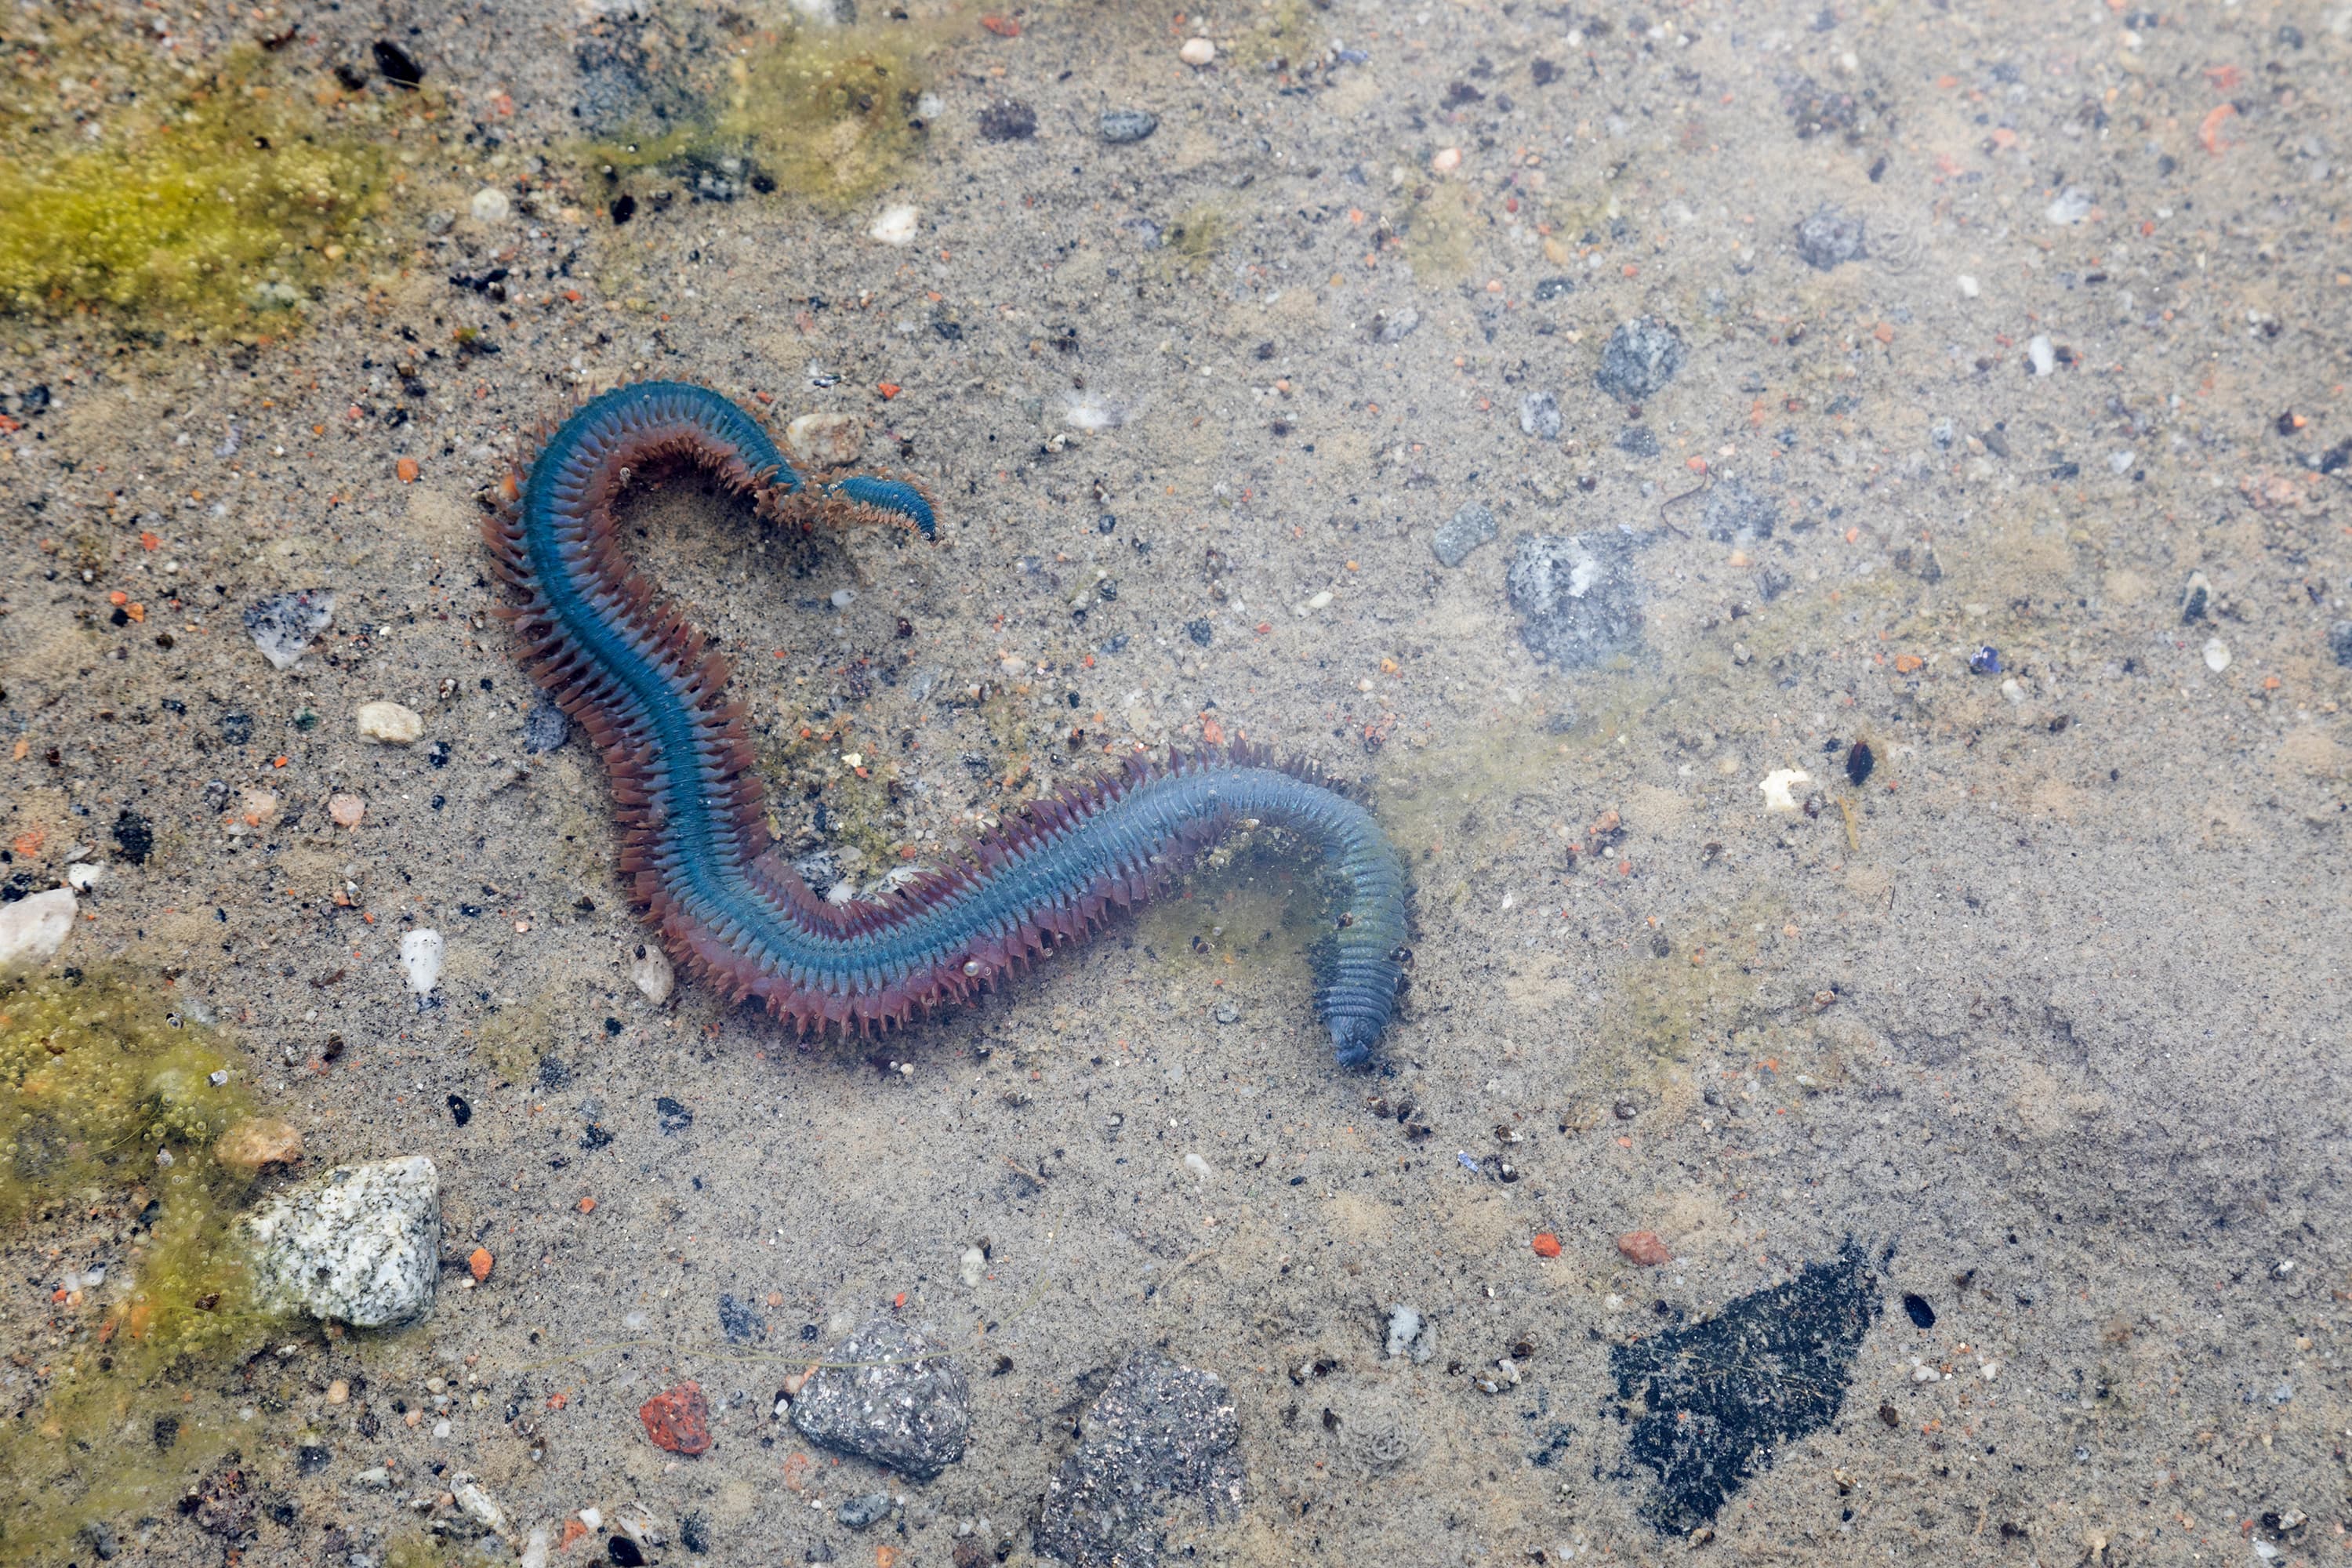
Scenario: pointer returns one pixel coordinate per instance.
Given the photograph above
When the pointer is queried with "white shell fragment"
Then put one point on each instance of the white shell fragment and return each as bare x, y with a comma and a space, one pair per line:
1777, 785
420, 957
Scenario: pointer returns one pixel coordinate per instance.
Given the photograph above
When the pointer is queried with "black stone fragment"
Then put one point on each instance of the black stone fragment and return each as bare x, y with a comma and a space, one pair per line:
673, 1116
1921, 1314
1160, 1434
398, 66
1712, 1403
1859, 760
134, 836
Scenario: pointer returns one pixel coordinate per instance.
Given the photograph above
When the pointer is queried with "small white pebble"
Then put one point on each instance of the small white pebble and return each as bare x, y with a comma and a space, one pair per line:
1990, 1370
420, 957
897, 225
1447, 160
1197, 52
651, 971
33, 929
390, 723
81, 875
2217, 655
1968, 285
2013, 691
2041, 354
490, 205
843, 597
1197, 1166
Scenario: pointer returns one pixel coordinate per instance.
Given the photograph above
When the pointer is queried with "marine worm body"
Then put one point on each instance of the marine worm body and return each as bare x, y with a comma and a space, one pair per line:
695, 843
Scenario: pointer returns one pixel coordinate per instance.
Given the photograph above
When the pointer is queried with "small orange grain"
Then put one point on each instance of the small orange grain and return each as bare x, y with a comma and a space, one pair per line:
558, 1400
117, 597
479, 1263
888, 389
1546, 1244
2208, 132
587, 1205
1908, 663
406, 470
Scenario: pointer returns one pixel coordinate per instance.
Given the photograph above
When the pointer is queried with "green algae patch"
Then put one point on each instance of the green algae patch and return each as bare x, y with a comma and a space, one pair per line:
1258, 914
1440, 230
210, 204
1285, 35
1195, 238
825, 114
111, 1124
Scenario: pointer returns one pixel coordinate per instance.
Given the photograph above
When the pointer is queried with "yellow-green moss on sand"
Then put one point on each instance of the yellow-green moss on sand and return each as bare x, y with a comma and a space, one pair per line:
229, 199
98, 1076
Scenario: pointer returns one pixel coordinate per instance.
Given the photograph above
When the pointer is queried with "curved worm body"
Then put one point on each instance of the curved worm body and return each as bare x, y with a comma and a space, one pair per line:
695, 843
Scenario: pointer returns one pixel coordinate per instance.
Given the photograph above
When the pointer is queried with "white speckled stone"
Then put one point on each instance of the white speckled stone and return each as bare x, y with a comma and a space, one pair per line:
361, 1246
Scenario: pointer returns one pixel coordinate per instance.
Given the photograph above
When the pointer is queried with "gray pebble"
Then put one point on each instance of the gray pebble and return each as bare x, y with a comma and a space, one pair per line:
1637, 440
1120, 126
1640, 358
1462, 533
888, 1398
1396, 328
1735, 513
1539, 415
2340, 643
1828, 236
861, 1511
1159, 1432
1579, 603
545, 728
